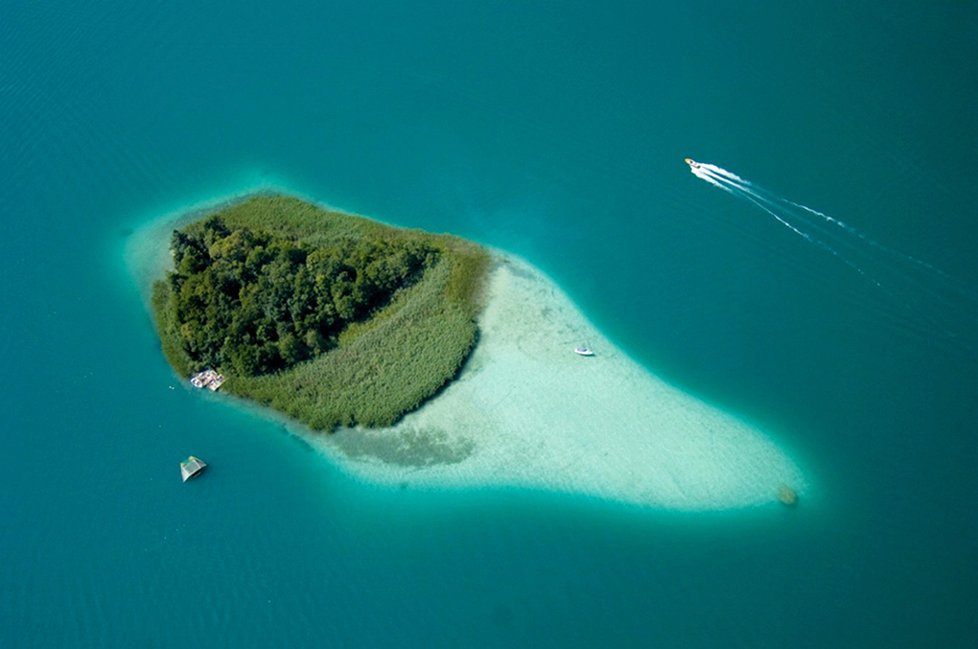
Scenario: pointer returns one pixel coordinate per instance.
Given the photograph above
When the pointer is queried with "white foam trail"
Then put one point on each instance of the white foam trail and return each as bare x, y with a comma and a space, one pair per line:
723, 181
847, 228
804, 235
720, 171
733, 183
818, 242
872, 242
727, 180
777, 202
702, 174
745, 192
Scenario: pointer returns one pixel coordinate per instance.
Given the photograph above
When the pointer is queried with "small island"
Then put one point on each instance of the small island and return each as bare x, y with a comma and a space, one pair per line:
435, 363
331, 319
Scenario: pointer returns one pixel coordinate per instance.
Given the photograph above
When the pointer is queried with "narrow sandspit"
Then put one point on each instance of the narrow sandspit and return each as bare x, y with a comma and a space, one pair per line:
529, 412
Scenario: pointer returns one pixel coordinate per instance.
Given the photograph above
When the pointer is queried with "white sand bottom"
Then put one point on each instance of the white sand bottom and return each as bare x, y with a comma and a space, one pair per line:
529, 412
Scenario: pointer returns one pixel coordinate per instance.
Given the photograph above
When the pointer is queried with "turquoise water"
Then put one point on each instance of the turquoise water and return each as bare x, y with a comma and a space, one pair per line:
557, 132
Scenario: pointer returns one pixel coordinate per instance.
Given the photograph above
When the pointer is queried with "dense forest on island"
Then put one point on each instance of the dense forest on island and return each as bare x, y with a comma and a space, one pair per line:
253, 302
330, 318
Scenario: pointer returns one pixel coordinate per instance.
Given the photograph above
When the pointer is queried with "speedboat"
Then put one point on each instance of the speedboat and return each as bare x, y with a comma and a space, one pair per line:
583, 350
692, 163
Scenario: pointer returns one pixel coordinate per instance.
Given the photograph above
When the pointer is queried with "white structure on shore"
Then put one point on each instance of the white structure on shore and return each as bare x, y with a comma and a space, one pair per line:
207, 379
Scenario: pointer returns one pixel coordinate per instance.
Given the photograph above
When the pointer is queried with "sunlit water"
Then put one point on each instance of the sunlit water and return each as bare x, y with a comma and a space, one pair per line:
557, 133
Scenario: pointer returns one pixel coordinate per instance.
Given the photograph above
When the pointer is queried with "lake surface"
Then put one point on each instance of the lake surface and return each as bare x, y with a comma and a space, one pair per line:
555, 131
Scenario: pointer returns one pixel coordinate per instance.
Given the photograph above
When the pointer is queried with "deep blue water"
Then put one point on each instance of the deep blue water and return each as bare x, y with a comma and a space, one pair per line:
555, 131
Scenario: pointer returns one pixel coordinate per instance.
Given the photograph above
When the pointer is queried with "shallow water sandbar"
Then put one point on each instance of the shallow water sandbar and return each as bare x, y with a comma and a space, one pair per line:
527, 411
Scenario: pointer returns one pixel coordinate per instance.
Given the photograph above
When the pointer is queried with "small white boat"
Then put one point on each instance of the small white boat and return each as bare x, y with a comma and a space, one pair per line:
583, 350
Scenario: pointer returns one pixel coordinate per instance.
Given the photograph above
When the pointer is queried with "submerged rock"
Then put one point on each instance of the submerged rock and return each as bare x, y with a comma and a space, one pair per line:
787, 495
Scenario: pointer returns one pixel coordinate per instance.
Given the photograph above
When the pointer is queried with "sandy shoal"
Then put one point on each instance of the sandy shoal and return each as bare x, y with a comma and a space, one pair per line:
529, 412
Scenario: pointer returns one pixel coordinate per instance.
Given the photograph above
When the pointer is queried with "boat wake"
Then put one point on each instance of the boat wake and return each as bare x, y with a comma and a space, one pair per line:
929, 299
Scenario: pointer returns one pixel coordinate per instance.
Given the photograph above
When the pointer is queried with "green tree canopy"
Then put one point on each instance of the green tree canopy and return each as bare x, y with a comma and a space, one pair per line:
258, 302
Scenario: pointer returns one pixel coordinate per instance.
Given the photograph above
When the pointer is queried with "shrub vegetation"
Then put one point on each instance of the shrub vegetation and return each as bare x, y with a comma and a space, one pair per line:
330, 318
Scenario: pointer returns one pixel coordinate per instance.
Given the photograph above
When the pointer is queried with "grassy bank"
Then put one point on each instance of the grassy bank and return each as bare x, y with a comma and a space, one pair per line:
390, 352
